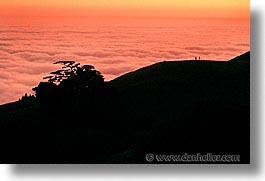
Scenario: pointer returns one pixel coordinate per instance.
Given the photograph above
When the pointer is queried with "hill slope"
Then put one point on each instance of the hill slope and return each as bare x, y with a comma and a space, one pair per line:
169, 107
175, 86
198, 105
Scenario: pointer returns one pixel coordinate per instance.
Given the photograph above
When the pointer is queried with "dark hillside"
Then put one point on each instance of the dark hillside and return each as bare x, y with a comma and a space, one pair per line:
172, 107
198, 106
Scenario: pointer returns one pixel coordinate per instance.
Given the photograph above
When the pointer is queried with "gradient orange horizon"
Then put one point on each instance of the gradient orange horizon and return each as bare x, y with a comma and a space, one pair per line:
115, 36
128, 8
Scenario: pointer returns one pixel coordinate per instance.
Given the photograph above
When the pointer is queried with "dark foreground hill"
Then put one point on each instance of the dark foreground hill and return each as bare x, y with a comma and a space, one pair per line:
166, 108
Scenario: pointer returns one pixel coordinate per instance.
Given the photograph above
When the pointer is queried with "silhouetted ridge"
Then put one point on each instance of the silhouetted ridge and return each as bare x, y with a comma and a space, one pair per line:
243, 57
171, 107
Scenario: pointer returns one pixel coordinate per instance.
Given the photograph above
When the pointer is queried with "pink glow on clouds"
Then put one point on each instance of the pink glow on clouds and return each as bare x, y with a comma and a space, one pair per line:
29, 46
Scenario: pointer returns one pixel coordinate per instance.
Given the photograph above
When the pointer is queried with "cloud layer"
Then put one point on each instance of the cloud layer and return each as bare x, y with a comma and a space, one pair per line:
28, 49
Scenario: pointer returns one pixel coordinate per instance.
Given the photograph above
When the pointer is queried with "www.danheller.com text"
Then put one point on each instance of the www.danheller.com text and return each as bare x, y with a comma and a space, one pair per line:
209, 157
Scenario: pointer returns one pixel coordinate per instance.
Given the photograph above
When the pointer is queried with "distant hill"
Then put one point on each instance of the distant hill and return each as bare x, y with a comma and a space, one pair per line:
244, 57
167, 108
177, 85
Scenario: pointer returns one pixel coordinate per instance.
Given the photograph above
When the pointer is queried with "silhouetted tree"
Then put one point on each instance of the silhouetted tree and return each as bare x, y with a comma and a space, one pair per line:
73, 89
27, 97
69, 69
47, 93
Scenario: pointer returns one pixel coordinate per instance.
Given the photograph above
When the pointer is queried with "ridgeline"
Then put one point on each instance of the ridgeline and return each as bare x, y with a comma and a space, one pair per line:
171, 107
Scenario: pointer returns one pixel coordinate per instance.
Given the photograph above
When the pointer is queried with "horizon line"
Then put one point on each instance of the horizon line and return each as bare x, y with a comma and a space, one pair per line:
135, 17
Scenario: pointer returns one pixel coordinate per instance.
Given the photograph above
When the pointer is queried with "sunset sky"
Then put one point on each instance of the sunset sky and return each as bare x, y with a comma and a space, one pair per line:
131, 8
115, 36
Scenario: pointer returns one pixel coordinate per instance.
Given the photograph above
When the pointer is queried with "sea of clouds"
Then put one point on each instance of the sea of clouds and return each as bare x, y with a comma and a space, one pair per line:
29, 48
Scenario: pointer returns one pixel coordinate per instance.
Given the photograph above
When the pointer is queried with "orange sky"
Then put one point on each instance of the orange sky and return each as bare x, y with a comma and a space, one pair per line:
124, 8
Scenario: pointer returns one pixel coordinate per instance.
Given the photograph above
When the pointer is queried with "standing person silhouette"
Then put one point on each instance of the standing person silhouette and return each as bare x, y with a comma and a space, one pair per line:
195, 58
199, 58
